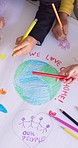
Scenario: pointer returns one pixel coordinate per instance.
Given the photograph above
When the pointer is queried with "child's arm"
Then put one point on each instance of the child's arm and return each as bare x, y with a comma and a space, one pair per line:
65, 10
71, 72
45, 16
2, 22
67, 6
58, 32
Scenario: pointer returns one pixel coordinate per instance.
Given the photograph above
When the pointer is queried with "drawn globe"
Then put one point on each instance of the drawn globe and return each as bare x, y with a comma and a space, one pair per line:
32, 88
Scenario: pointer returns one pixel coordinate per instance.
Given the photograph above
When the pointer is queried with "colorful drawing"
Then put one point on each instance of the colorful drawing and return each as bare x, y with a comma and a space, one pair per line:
3, 109
64, 44
2, 91
32, 88
32, 129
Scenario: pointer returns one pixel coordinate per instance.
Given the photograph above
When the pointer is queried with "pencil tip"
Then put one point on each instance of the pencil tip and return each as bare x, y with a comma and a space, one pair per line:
62, 127
61, 110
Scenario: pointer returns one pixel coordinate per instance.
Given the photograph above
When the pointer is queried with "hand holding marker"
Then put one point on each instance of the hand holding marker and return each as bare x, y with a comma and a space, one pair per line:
49, 75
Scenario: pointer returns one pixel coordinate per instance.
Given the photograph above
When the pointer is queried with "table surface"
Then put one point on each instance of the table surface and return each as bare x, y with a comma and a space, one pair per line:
25, 122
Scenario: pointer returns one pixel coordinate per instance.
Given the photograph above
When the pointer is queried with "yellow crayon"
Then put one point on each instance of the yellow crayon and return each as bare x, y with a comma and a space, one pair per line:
29, 30
69, 132
27, 33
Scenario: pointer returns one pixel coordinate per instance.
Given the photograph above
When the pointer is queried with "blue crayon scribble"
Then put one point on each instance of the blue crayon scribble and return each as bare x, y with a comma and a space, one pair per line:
35, 89
3, 109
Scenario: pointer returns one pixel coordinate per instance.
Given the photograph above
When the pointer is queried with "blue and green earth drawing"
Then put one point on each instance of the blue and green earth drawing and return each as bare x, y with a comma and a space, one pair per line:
32, 88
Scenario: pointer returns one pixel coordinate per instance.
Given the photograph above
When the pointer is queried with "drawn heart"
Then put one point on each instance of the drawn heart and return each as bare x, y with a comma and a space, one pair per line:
51, 113
32, 128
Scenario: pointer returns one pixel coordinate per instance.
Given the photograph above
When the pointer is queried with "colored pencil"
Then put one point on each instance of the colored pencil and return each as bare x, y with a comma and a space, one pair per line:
65, 123
27, 33
69, 132
57, 16
49, 75
29, 29
73, 120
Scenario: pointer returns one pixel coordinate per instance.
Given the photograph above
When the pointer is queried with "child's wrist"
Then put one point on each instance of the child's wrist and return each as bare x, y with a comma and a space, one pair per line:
63, 15
32, 39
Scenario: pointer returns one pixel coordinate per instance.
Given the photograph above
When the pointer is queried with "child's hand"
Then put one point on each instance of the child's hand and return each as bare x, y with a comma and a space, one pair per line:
2, 22
71, 73
61, 33
24, 47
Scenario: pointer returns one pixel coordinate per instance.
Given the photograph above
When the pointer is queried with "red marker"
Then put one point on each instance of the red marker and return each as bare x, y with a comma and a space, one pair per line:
49, 75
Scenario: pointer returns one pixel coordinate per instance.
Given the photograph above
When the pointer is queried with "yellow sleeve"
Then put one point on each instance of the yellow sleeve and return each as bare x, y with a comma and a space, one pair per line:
67, 6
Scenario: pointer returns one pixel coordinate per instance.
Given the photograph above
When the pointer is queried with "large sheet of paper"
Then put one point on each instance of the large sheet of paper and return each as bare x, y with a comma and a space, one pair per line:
26, 99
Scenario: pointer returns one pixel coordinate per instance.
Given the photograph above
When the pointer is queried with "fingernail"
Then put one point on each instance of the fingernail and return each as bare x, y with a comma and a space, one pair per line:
66, 33
14, 49
14, 55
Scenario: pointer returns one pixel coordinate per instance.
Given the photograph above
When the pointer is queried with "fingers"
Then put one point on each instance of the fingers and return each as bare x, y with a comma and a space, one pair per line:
21, 52
25, 46
18, 50
20, 46
65, 29
70, 80
65, 26
69, 76
59, 35
62, 37
18, 40
58, 32
2, 22
71, 73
